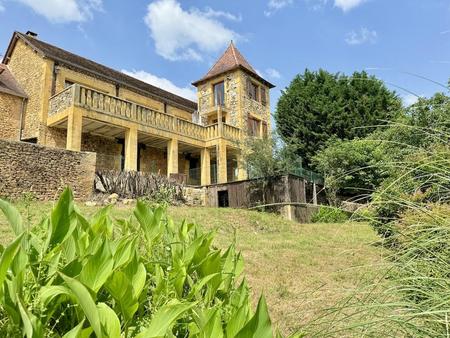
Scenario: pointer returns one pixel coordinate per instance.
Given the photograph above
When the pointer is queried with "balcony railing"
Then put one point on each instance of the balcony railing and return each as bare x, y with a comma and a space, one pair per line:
93, 100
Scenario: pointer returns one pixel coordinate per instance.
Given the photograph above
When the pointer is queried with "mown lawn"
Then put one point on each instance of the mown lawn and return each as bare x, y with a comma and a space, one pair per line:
301, 268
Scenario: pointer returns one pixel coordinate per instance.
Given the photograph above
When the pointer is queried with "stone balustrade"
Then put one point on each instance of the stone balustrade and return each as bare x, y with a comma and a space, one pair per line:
61, 101
93, 100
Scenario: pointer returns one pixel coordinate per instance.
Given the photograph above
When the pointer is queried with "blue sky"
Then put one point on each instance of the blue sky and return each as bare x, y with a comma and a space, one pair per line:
171, 43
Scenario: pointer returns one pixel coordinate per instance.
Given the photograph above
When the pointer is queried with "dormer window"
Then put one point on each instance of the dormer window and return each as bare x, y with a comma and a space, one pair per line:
219, 94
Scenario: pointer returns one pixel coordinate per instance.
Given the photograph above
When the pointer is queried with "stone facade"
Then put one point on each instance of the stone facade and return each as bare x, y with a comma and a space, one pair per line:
29, 70
232, 98
44, 171
238, 106
10, 110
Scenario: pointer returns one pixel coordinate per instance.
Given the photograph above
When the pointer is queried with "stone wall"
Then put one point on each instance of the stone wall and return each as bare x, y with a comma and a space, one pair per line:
10, 109
44, 171
108, 151
195, 196
28, 69
254, 108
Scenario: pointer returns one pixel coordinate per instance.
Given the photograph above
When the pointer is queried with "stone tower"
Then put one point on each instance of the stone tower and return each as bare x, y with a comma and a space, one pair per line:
233, 92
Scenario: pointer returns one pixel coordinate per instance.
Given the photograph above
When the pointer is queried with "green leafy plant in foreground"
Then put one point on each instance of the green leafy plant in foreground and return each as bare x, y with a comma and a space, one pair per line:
140, 277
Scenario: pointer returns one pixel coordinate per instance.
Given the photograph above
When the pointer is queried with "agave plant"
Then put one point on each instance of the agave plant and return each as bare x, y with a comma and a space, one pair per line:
140, 277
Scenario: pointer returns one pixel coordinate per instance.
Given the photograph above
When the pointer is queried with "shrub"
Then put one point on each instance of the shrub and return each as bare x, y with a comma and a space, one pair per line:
142, 277
137, 184
327, 214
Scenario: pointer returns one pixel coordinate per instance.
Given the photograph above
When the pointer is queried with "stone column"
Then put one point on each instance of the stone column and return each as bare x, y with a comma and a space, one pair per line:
242, 170
172, 157
74, 129
222, 162
131, 151
205, 162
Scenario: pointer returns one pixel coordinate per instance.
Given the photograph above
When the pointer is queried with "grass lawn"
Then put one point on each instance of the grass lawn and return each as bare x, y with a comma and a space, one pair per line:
301, 268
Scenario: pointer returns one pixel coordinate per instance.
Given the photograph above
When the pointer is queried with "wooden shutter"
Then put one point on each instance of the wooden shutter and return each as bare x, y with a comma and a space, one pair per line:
263, 96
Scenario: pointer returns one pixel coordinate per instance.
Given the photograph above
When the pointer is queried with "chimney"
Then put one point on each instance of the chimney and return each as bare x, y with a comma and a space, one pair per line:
32, 34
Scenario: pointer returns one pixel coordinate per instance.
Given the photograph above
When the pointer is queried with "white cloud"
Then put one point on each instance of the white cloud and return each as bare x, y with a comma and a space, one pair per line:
187, 92
64, 10
347, 5
275, 5
187, 34
273, 73
409, 99
211, 13
361, 36
2, 7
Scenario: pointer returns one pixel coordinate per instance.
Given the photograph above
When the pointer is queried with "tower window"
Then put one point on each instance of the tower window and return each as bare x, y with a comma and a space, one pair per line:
263, 96
252, 90
219, 94
253, 126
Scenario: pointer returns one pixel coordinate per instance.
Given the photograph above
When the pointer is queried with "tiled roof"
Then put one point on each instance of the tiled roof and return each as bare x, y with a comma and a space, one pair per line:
8, 83
231, 59
84, 65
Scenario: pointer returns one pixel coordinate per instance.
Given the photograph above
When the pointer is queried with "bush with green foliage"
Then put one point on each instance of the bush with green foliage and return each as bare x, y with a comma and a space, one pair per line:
317, 106
142, 277
327, 214
351, 167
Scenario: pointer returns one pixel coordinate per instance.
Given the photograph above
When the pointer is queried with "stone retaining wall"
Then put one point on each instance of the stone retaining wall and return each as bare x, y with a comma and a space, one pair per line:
44, 171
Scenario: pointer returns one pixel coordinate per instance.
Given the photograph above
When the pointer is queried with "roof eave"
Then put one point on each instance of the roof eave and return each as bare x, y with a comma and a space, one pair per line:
254, 74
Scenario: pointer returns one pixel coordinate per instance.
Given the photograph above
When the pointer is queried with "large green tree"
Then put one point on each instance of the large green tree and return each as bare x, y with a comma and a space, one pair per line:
319, 105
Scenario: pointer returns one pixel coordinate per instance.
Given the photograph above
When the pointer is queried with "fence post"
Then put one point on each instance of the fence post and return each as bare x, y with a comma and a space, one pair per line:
314, 193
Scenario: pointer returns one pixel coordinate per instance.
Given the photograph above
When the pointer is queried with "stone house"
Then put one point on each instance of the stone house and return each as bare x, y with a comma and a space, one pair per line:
55, 98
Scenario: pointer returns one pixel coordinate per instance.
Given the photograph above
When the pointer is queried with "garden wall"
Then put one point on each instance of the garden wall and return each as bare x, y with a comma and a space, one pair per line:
44, 171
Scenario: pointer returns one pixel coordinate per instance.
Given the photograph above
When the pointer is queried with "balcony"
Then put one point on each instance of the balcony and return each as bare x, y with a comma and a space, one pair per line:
98, 104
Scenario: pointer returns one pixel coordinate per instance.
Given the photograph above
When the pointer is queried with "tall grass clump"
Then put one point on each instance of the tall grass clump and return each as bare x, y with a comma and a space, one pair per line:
144, 276
409, 296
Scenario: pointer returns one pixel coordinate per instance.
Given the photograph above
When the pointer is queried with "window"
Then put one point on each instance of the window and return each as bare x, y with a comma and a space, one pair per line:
219, 94
265, 131
263, 96
224, 120
252, 91
253, 126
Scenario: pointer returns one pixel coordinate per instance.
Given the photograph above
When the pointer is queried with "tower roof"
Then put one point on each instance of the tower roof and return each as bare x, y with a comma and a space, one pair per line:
231, 59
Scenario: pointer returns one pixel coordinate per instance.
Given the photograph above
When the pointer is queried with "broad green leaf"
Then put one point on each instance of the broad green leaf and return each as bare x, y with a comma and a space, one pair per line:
13, 217
121, 289
48, 293
197, 287
137, 274
7, 257
124, 252
101, 222
237, 321
86, 303
150, 222
98, 268
164, 319
109, 321
75, 332
62, 219
210, 323
178, 276
259, 326
32, 327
